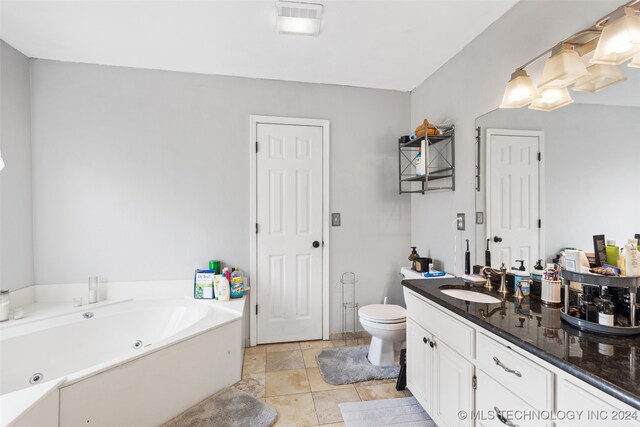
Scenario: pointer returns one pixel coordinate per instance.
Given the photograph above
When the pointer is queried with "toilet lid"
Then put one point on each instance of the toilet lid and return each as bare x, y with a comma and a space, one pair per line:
383, 313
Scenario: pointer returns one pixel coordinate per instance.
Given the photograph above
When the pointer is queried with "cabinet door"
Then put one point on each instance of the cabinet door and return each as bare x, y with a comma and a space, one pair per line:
496, 406
453, 389
419, 364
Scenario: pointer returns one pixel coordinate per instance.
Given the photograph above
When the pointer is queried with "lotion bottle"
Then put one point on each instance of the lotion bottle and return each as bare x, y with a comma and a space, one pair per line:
612, 252
632, 258
224, 291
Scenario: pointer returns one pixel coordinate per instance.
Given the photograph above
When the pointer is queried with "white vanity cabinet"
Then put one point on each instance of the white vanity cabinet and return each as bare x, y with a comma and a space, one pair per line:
455, 366
438, 375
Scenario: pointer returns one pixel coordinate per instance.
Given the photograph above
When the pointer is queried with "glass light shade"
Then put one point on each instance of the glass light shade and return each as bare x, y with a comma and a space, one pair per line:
520, 91
551, 99
635, 62
296, 25
562, 69
601, 76
619, 41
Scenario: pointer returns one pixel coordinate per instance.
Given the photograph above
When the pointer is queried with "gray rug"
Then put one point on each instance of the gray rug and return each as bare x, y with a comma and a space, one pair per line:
348, 365
404, 412
227, 408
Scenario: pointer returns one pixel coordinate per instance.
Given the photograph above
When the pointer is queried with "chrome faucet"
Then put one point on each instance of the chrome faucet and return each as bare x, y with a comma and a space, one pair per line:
487, 272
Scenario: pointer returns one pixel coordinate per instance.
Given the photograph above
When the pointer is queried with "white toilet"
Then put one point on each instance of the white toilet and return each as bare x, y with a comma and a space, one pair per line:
387, 324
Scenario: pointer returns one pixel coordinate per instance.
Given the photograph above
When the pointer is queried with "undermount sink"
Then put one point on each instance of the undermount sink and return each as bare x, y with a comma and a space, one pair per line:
468, 294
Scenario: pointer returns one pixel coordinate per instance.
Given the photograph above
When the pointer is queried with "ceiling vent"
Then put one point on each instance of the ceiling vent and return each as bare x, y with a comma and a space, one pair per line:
299, 18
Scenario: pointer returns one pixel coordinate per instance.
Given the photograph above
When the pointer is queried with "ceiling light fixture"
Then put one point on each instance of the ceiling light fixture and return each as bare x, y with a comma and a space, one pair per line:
563, 67
600, 76
615, 38
620, 39
520, 90
299, 18
551, 99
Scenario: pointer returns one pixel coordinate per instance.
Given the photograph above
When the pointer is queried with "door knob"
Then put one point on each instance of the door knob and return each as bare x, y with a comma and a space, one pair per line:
316, 244
497, 239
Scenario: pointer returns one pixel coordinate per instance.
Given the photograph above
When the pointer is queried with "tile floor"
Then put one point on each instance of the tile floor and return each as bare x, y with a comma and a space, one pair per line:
286, 376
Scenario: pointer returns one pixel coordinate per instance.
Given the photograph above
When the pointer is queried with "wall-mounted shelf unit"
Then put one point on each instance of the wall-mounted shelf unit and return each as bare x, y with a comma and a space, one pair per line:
439, 160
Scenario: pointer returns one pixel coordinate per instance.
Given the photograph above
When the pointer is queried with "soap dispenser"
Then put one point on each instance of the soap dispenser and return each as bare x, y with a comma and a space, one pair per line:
413, 256
520, 273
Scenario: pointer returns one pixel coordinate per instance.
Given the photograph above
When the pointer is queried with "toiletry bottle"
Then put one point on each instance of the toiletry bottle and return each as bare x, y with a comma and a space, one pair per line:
538, 270
4, 305
413, 256
622, 263
223, 289
519, 273
605, 310
418, 159
237, 283
589, 309
612, 252
632, 258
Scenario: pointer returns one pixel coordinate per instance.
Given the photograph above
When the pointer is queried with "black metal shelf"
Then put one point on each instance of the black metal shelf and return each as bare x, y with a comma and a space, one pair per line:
440, 160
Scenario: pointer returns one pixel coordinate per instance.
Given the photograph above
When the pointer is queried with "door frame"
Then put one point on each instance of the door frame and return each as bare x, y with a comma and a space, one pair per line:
254, 121
541, 187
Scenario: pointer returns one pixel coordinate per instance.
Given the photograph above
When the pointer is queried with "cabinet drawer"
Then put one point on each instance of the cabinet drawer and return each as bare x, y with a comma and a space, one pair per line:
454, 333
493, 400
530, 381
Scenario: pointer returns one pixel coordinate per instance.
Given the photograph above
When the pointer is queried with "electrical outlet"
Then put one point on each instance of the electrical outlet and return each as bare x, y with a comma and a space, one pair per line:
479, 217
460, 221
335, 219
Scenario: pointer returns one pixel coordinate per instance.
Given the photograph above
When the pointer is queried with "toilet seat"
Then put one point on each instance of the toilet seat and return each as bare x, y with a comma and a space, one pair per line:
397, 326
383, 313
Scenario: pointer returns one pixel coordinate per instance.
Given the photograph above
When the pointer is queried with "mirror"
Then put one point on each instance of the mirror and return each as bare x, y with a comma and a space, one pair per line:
587, 182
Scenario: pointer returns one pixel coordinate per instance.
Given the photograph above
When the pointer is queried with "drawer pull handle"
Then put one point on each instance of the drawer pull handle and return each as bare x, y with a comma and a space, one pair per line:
503, 419
425, 340
511, 371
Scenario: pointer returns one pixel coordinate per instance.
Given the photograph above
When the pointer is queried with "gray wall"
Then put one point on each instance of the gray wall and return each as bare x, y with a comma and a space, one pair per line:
470, 85
143, 175
16, 241
591, 156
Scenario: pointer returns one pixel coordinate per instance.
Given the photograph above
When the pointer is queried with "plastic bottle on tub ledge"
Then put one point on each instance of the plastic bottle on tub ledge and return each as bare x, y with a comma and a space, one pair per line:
237, 283
223, 292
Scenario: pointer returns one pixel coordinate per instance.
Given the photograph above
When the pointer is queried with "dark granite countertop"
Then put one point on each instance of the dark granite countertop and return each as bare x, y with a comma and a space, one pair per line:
611, 364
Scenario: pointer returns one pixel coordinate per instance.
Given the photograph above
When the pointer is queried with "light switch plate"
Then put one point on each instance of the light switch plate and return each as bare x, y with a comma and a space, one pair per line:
479, 217
460, 221
335, 219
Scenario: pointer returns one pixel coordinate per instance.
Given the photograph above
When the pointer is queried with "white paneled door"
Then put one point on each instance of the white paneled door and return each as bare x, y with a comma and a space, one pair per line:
513, 196
289, 232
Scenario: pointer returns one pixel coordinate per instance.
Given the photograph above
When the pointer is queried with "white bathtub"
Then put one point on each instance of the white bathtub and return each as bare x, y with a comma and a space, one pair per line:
137, 362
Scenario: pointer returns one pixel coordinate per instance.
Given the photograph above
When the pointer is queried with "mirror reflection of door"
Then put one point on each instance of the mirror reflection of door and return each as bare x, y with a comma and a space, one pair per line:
513, 196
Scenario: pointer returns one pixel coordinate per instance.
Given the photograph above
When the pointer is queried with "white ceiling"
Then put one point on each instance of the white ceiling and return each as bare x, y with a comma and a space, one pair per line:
377, 44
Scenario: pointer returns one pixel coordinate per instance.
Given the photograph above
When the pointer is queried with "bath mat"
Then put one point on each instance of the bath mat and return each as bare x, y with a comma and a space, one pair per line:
348, 365
227, 408
403, 412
